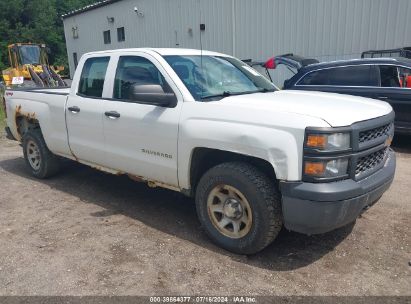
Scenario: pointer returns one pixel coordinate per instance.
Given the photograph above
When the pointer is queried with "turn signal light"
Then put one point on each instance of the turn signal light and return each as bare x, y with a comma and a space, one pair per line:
316, 141
328, 142
314, 168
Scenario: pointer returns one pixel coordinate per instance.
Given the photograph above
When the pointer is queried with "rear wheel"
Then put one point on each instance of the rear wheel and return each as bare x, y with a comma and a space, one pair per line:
239, 207
40, 161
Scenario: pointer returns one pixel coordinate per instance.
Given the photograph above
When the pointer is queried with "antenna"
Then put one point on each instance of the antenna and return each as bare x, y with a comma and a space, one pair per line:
201, 47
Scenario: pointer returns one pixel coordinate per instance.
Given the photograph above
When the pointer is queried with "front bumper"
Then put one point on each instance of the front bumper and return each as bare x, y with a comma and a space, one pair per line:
313, 208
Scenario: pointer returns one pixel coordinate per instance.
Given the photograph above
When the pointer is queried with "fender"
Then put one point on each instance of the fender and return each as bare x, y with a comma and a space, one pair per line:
43, 108
280, 146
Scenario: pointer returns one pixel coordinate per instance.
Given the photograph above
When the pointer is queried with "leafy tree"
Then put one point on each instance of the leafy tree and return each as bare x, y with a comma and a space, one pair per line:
36, 21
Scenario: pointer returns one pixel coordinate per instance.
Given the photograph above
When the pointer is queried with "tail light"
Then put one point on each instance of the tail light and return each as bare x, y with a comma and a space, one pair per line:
270, 64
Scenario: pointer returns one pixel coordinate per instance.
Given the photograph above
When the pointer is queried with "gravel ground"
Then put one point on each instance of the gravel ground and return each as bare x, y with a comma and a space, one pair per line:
85, 232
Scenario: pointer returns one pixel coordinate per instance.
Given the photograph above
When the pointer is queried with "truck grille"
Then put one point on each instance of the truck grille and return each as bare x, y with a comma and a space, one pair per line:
369, 162
375, 133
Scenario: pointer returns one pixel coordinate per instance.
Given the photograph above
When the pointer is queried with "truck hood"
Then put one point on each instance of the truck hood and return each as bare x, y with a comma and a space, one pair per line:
336, 109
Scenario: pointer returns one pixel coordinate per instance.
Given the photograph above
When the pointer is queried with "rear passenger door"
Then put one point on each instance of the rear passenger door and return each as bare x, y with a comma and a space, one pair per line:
84, 112
355, 80
396, 90
141, 138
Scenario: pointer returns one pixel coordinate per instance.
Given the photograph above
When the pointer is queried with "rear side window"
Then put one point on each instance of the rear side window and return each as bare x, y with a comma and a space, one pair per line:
360, 75
405, 77
92, 77
395, 76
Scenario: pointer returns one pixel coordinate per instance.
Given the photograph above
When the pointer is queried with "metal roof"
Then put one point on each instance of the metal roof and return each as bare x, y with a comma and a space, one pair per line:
89, 8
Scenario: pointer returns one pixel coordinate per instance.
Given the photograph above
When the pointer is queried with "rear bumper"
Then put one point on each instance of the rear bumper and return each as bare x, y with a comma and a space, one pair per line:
313, 208
9, 135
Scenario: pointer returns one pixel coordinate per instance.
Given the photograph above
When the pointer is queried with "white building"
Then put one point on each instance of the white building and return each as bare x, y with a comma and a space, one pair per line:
256, 29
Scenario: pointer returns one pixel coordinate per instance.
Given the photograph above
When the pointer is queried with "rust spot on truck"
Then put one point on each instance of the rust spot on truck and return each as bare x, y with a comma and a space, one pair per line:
103, 169
136, 178
98, 167
20, 113
152, 183
23, 120
30, 116
17, 112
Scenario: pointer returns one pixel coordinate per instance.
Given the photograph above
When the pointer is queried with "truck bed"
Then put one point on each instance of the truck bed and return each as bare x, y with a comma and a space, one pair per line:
56, 90
43, 105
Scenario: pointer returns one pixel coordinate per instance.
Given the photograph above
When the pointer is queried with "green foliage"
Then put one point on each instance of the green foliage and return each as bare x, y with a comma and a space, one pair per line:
36, 21
2, 114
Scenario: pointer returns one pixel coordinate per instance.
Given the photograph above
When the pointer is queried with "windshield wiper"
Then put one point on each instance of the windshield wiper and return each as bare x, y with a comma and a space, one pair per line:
265, 90
228, 93
224, 94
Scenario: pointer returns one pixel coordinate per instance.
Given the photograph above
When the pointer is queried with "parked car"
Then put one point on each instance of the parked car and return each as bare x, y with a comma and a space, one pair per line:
399, 52
387, 79
209, 126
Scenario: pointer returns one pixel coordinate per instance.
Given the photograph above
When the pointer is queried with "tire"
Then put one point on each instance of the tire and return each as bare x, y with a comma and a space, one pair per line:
39, 160
240, 193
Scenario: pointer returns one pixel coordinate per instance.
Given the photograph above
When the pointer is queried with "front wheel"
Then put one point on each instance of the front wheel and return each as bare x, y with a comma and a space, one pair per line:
239, 207
39, 159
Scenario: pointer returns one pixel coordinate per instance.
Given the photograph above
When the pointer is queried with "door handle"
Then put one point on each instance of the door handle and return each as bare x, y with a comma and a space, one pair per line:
382, 97
74, 109
112, 114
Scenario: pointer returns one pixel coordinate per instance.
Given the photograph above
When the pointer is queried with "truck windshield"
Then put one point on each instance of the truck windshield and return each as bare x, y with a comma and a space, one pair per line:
215, 77
30, 54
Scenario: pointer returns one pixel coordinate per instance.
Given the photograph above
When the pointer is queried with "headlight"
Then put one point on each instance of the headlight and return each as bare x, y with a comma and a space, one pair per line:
326, 157
329, 169
328, 141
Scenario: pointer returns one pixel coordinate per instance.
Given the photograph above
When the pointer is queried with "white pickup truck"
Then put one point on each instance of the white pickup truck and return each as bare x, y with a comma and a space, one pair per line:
206, 124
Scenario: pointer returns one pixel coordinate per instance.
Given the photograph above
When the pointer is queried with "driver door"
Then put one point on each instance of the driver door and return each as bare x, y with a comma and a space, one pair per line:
141, 138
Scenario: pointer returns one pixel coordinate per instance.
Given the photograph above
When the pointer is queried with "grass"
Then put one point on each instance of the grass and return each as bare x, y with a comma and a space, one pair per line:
2, 114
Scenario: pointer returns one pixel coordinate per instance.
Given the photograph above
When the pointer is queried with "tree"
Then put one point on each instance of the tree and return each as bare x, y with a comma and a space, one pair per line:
38, 22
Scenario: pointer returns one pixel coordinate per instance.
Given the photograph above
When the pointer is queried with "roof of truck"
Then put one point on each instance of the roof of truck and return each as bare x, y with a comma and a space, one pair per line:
163, 51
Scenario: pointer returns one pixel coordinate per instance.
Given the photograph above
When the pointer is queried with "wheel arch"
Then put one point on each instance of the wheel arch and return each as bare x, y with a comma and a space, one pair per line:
202, 159
25, 123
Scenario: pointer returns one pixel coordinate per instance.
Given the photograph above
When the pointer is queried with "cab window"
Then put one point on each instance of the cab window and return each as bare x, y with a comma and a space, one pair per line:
92, 77
135, 70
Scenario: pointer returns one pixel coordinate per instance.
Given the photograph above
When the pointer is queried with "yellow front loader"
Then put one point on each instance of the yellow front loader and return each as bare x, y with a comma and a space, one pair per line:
29, 65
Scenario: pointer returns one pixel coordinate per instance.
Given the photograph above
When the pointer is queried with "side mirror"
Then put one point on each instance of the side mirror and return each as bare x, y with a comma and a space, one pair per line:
152, 94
